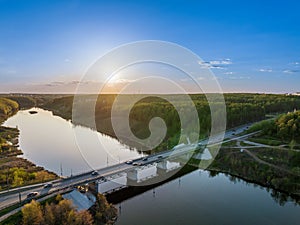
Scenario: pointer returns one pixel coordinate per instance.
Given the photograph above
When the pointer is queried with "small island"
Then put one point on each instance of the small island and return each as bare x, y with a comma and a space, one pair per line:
33, 112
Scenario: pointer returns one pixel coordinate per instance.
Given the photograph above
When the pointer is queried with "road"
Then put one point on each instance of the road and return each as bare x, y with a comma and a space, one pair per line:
13, 196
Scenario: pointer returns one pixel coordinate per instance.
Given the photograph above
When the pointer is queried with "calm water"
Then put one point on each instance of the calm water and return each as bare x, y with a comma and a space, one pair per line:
50, 141
197, 198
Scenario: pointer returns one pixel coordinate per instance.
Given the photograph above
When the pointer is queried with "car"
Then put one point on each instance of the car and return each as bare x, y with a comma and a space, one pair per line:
32, 194
145, 159
94, 173
129, 162
102, 178
135, 164
159, 157
48, 185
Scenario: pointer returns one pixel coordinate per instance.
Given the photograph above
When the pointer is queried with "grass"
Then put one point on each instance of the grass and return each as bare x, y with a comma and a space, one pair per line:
244, 144
8, 209
266, 141
13, 220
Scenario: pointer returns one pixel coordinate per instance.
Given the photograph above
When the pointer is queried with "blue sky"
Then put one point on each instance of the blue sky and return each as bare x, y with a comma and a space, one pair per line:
251, 46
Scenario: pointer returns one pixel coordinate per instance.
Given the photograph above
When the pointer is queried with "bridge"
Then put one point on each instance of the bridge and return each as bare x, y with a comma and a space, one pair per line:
132, 171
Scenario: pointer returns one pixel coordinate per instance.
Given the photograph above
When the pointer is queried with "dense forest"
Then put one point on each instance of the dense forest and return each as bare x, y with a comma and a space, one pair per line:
241, 109
7, 108
286, 127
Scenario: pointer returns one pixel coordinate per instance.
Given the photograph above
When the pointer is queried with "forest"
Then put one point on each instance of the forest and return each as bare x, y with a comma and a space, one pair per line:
240, 108
285, 127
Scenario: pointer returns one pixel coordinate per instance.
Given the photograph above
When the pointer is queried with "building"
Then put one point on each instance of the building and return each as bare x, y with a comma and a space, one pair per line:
79, 200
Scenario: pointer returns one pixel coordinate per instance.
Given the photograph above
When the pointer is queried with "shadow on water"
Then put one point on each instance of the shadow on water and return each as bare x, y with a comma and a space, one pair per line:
119, 196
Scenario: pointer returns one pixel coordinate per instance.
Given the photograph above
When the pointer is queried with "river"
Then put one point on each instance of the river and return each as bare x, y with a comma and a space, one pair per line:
199, 199
195, 198
50, 141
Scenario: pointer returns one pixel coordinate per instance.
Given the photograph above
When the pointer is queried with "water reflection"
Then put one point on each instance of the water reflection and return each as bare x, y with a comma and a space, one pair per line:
202, 197
49, 141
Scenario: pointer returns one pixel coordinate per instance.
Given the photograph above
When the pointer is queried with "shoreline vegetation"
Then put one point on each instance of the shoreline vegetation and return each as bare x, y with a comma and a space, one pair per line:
14, 170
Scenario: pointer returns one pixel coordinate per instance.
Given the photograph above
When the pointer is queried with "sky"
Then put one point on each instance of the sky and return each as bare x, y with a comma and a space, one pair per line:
250, 46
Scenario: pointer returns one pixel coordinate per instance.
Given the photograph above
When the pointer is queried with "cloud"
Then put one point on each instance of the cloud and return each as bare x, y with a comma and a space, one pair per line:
266, 70
291, 71
216, 64
229, 73
238, 77
62, 83
221, 62
67, 60
295, 63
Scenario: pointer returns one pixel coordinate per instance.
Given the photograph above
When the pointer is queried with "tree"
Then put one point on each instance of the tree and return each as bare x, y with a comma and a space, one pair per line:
83, 218
32, 214
62, 211
49, 216
103, 212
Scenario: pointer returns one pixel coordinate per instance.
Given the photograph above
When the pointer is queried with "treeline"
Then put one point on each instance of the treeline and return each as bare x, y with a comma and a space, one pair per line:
62, 212
241, 109
286, 127
7, 108
237, 163
15, 173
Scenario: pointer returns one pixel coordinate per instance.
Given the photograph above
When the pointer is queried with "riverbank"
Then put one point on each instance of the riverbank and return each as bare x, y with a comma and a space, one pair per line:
266, 167
16, 171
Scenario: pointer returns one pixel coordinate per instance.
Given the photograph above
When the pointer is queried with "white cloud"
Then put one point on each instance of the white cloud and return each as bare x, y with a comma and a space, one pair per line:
295, 63
221, 62
238, 78
229, 73
291, 71
216, 64
266, 70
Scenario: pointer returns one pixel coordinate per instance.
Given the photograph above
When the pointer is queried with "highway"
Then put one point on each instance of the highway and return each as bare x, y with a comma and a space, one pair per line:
13, 196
